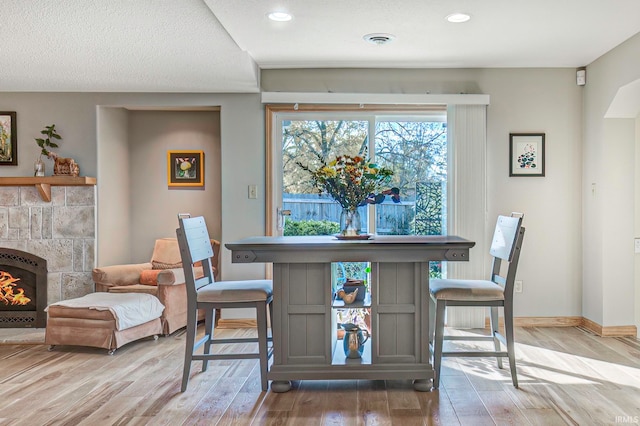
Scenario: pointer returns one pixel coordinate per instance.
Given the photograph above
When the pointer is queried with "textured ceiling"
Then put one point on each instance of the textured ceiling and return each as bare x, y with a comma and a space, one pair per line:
219, 45
119, 45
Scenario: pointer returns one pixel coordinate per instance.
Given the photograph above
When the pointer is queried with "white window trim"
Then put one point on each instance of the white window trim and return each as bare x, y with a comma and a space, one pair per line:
373, 98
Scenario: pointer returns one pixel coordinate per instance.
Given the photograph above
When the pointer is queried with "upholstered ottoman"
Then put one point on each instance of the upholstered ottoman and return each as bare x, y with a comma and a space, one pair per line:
103, 320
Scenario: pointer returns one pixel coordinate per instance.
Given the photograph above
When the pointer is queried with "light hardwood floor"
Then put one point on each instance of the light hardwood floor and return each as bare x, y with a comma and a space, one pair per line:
567, 376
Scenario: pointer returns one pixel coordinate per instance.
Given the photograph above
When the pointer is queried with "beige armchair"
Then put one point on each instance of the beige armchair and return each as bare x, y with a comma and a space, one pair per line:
162, 277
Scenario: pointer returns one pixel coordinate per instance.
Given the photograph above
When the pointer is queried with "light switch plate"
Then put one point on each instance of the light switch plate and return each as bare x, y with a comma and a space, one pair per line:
253, 191
636, 243
517, 287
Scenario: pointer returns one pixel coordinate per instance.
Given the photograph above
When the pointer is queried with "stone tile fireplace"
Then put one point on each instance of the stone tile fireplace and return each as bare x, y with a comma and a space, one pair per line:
61, 231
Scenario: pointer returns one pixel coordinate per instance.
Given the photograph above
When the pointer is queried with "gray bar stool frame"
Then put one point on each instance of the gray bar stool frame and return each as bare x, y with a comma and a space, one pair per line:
493, 293
207, 294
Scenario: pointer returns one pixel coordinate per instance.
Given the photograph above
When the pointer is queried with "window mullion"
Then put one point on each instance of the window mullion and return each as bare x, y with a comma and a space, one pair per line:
371, 208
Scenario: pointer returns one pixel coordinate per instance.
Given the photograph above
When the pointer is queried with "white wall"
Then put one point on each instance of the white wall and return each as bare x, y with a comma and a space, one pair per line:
637, 224
617, 197
609, 215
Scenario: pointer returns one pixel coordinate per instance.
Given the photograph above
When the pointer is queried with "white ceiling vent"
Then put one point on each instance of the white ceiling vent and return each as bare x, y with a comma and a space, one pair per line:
379, 38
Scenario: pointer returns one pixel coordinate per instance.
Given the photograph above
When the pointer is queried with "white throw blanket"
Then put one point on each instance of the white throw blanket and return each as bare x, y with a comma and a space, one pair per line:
128, 309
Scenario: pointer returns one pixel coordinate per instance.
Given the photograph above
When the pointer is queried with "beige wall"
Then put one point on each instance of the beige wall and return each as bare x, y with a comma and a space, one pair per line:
546, 101
522, 100
77, 116
114, 248
153, 206
564, 225
132, 171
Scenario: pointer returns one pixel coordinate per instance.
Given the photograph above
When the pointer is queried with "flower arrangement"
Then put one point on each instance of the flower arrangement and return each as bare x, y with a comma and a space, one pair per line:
353, 181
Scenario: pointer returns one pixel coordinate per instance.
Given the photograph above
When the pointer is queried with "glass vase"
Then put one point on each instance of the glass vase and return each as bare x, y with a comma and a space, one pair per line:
349, 223
38, 167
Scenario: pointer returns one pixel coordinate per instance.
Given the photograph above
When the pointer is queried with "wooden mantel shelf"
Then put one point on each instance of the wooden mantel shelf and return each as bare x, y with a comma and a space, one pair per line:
44, 183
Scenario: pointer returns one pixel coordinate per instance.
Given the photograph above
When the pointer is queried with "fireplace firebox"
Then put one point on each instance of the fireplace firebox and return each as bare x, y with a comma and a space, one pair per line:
23, 289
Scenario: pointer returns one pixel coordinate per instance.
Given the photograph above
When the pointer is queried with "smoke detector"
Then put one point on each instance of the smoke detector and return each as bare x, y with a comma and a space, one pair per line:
379, 38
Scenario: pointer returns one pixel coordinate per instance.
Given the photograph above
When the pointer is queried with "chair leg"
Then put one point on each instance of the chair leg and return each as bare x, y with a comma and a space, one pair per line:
508, 330
209, 324
192, 323
271, 316
432, 320
438, 341
261, 314
493, 318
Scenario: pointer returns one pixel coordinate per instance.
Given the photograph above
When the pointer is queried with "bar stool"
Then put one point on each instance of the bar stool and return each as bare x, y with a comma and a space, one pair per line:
203, 292
493, 293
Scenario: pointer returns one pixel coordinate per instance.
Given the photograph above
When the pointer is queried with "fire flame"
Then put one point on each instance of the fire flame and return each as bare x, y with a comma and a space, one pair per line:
7, 295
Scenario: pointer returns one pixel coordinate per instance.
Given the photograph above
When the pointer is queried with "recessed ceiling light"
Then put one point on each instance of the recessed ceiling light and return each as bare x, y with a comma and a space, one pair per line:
280, 16
379, 38
458, 18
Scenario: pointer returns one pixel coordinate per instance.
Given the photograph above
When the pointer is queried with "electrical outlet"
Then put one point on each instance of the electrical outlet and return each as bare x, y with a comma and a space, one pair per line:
253, 191
636, 243
518, 286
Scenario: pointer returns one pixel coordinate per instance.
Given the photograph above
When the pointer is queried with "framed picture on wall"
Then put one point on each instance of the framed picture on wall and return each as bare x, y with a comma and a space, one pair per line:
185, 168
526, 154
8, 139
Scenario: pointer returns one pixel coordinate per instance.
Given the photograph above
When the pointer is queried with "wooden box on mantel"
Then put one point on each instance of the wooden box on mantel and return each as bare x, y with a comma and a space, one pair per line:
66, 167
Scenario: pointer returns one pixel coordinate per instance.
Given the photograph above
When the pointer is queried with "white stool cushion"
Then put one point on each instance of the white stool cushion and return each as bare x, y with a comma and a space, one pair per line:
465, 290
236, 291
128, 309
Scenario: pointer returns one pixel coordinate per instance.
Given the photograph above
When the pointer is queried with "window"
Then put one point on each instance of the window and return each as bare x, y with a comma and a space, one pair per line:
462, 205
414, 145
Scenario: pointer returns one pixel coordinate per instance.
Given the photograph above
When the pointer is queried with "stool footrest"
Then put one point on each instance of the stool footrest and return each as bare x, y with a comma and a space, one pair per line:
477, 354
470, 338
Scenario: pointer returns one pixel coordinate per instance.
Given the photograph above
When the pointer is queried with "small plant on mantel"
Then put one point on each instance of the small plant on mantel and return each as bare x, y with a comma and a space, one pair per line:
45, 144
51, 133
